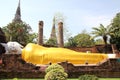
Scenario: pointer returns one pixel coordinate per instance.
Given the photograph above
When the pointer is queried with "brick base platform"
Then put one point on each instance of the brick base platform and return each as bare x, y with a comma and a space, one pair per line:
13, 66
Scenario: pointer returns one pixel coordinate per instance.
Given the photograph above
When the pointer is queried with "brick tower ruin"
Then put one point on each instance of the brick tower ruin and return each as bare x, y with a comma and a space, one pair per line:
60, 35
40, 33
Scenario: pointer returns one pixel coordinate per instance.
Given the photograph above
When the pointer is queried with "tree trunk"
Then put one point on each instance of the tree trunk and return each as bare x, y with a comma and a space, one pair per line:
105, 40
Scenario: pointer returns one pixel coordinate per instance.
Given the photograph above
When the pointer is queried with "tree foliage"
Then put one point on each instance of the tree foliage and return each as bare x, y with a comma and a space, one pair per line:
115, 27
71, 43
51, 42
20, 32
101, 31
81, 40
84, 40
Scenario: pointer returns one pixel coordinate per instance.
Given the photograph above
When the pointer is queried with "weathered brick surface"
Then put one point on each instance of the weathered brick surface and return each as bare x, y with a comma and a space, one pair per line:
94, 49
111, 68
14, 66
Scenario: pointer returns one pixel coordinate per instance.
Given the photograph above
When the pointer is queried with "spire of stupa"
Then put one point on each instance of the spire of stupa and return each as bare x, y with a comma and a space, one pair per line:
53, 32
17, 17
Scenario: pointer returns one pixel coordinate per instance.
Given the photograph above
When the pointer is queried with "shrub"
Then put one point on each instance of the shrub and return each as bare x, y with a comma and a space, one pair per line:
56, 74
88, 77
54, 66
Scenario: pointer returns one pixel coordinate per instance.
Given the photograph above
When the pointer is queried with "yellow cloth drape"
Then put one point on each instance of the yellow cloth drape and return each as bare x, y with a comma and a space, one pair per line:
37, 54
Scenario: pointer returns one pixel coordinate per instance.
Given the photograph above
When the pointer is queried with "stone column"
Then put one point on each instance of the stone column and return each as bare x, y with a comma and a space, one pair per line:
40, 33
60, 35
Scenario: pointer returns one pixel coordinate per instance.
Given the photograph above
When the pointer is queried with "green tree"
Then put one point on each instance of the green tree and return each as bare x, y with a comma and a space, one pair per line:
19, 31
51, 42
84, 40
71, 43
115, 28
32, 38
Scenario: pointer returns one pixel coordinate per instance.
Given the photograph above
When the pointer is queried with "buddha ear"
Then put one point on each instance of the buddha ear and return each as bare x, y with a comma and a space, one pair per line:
19, 45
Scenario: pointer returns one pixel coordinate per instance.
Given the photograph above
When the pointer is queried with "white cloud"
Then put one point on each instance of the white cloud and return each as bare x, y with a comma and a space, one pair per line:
95, 21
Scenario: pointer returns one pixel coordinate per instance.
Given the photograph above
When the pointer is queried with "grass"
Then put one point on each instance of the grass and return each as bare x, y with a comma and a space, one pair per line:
68, 79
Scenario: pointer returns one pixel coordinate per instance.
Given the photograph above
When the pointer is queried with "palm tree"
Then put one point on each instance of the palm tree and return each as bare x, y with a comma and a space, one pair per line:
103, 32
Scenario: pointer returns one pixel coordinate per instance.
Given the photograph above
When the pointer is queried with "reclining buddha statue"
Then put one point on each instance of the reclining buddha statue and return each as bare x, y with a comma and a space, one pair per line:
36, 54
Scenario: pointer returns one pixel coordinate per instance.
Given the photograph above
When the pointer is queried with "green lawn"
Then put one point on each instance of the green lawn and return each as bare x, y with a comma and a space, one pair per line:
109, 78
101, 79
68, 79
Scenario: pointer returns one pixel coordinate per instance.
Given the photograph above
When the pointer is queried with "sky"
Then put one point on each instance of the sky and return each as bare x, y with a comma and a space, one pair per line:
79, 14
